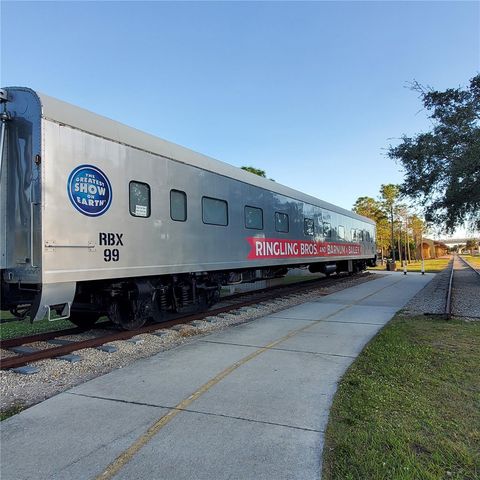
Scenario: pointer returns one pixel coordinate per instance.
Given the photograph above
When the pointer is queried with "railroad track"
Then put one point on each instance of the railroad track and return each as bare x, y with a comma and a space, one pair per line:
26, 355
460, 287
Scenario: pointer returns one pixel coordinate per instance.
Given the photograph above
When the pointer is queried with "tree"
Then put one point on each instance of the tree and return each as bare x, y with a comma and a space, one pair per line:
371, 208
383, 234
418, 230
472, 243
256, 171
368, 207
442, 166
402, 214
389, 194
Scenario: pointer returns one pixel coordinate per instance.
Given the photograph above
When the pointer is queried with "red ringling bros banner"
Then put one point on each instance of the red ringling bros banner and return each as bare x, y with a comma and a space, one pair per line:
280, 248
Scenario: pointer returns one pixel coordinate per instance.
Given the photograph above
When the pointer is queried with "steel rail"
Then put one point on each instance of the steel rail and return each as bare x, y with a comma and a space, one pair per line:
21, 360
448, 303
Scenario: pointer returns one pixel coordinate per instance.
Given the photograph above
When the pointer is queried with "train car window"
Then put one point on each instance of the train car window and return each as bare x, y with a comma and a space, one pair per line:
341, 232
281, 222
327, 230
308, 227
367, 236
253, 218
178, 205
354, 235
139, 199
360, 235
214, 211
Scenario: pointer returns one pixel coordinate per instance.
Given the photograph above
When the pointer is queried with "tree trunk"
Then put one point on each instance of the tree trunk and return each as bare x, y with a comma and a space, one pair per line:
393, 238
407, 244
400, 245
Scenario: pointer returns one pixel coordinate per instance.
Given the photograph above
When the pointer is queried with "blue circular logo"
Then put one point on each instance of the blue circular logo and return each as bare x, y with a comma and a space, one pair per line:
89, 190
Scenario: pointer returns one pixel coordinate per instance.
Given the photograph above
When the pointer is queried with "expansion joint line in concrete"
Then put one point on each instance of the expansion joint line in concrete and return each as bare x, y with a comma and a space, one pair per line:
136, 446
277, 349
326, 321
198, 412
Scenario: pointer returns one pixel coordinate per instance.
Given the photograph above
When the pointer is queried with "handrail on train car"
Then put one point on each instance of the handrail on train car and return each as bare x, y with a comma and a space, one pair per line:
4, 117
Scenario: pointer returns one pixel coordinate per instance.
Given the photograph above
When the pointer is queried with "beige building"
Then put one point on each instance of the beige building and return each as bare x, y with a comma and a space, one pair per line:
431, 249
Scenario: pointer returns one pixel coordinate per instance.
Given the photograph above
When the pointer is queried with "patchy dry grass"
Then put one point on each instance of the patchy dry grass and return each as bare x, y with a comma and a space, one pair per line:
409, 407
473, 260
431, 266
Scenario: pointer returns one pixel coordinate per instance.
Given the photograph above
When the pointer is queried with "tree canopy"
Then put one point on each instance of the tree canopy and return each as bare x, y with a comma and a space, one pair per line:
442, 166
472, 243
371, 208
398, 228
389, 194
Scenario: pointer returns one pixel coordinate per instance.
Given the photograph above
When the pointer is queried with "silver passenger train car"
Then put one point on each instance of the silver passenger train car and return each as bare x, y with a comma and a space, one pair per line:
98, 218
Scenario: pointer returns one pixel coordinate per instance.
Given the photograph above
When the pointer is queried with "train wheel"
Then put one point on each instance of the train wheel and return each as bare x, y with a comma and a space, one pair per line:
127, 314
202, 304
213, 297
157, 314
84, 319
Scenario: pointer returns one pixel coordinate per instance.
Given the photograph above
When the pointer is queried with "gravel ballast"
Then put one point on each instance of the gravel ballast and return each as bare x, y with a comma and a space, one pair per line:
465, 291
431, 300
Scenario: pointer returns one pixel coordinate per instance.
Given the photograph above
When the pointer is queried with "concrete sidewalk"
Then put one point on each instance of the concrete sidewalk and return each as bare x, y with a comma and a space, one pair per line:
249, 402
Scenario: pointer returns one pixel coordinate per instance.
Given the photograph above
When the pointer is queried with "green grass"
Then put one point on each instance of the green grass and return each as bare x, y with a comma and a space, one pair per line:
431, 266
4, 315
10, 412
19, 328
24, 327
409, 407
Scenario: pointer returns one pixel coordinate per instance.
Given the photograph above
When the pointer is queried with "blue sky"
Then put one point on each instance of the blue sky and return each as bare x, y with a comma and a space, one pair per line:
311, 92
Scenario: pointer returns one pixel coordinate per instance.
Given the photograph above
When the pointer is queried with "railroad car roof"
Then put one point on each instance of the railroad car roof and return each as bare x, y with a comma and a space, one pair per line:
76, 117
